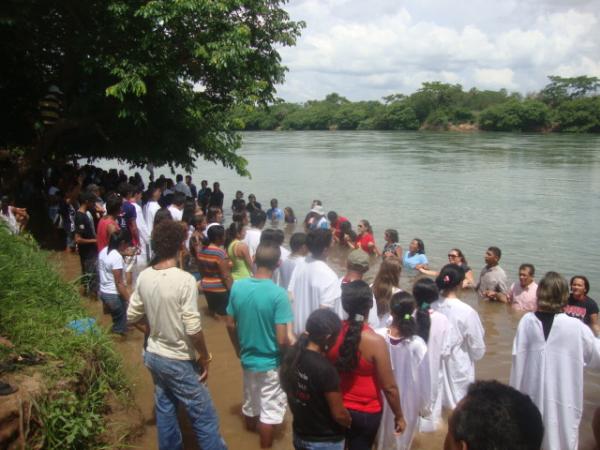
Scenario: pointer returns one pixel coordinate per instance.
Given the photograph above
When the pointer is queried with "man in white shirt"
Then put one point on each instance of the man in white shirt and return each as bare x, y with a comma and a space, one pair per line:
176, 207
166, 298
314, 284
257, 223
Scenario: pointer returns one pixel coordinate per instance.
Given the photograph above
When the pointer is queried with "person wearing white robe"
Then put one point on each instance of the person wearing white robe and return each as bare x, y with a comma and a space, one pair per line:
408, 355
465, 336
550, 352
314, 284
426, 292
141, 260
151, 208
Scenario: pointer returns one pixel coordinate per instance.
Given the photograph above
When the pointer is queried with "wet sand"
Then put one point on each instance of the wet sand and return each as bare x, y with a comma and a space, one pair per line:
225, 376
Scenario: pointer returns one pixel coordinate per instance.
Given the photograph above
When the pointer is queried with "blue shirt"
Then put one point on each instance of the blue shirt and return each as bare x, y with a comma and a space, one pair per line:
412, 261
257, 305
275, 214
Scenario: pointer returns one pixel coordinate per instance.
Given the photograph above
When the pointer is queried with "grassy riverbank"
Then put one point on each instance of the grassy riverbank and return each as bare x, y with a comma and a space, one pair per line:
81, 374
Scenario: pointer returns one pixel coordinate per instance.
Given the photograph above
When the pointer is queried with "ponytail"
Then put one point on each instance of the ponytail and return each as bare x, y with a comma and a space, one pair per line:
425, 292
357, 299
451, 276
402, 306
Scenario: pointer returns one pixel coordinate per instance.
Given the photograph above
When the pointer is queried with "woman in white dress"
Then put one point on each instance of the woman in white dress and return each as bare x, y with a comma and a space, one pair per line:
408, 354
550, 352
434, 328
465, 336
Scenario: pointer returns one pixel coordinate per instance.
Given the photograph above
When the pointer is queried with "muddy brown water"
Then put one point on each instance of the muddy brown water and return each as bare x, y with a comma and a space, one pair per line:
225, 377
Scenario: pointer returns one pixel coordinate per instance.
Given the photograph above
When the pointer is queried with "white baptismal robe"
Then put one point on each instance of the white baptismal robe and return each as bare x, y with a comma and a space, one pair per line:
466, 346
313, 285
411, 372
551, 373
438, 348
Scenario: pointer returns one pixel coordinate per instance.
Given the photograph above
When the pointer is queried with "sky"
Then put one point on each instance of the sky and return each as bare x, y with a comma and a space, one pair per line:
364, 50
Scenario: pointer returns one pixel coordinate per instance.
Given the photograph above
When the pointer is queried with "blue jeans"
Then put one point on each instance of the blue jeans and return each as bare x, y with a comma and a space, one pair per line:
177, 381
300, 444
118, 311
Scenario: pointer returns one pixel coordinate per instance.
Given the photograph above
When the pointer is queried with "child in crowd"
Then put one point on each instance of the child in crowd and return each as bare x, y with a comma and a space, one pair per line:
408, 354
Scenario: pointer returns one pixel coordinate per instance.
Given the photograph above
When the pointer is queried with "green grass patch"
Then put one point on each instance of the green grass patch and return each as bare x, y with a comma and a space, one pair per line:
81, 370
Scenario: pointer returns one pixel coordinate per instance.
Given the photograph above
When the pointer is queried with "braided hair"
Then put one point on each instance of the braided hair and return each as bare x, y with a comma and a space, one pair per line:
357, 299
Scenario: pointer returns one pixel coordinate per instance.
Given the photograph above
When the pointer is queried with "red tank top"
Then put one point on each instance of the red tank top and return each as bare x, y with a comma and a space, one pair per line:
360, 389
102, 232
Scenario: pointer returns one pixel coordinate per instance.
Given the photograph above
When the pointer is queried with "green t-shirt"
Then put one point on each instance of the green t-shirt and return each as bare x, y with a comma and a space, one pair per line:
257, 305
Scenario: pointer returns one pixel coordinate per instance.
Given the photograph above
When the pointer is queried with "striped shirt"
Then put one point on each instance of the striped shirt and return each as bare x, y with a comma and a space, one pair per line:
208, 263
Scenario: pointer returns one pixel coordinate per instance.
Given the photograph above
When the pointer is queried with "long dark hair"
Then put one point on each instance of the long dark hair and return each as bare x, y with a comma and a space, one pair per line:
451, 277
425, 292
357, 299
402, 306
322, 328
118, 238
232, 232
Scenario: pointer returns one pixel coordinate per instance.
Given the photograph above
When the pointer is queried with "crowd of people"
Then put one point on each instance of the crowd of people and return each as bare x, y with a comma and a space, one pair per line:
358, 365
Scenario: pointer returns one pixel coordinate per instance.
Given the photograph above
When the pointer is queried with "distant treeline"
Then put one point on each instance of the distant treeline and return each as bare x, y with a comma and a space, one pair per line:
565, 104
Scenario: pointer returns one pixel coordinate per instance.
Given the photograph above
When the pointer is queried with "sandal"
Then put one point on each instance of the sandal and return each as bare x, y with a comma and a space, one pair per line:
7, 389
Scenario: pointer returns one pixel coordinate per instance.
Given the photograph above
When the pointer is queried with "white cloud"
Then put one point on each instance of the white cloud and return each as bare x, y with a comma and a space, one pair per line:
367, 50
494, 78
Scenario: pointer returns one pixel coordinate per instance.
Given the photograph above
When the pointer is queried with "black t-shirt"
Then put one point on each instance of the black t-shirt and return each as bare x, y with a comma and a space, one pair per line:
238, 204
85, 229
251, 207
581, 310
216, 199
312, 418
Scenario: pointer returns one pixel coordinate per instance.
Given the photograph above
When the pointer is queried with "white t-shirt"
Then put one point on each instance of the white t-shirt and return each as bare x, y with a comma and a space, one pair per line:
285, 254
252, 240
313, 285
176, 213
107, 262
149, 213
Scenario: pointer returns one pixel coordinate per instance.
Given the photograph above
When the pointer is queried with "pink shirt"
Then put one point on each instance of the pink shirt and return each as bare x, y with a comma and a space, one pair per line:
524, 299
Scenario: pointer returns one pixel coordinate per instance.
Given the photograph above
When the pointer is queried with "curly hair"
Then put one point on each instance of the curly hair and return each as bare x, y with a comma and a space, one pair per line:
357, 299
494, 416
167, 237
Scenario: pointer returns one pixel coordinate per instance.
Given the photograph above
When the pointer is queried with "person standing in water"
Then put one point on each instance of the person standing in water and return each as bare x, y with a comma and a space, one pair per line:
550, 352
466, 336
408, 354
257, 316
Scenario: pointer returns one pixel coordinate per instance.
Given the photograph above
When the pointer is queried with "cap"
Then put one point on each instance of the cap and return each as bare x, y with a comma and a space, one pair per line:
359, 258
319, 210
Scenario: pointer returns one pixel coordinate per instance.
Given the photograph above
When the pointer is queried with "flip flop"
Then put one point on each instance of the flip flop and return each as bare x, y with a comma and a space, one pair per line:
7, 389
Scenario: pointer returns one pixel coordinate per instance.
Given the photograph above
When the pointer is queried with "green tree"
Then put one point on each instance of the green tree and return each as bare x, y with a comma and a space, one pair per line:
143, 80
561, 89
581, 115
529, 115
435, 95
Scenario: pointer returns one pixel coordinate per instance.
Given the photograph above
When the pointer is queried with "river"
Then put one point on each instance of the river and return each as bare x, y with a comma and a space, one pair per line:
536, 196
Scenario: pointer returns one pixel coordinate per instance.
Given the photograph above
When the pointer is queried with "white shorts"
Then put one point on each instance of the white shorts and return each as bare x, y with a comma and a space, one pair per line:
263, 397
